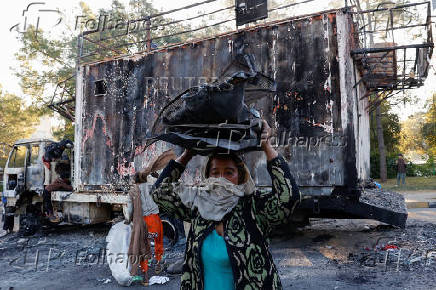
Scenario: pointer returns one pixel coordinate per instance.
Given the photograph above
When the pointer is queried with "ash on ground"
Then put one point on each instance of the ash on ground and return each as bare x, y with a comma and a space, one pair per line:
412, 249
384, 199
48, 255
327, 254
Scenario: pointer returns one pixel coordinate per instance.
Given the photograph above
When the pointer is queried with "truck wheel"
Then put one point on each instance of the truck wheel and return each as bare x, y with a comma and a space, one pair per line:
8, 224
30, 223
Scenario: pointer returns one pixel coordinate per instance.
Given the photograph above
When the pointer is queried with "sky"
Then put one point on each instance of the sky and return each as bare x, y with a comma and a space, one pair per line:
12, 15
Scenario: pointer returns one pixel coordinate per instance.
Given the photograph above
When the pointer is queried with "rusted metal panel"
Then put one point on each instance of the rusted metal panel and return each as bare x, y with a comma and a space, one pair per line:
311, 112
78, 128
363, 159
380, 67
85, 213
349, 101
35, 169
35, 177
102, 197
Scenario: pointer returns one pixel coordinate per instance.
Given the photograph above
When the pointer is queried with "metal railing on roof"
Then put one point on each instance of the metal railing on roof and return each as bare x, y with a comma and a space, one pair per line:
393, 45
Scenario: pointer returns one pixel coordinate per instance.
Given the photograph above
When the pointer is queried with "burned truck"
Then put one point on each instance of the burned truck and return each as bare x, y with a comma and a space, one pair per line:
318, 108
25, 177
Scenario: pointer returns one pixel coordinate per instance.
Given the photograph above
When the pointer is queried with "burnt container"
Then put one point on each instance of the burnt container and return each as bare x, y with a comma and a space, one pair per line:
318, 114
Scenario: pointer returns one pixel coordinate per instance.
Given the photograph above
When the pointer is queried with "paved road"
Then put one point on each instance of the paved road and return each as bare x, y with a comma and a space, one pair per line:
316, 257
420, 199
423, 214
421, 195
326, 255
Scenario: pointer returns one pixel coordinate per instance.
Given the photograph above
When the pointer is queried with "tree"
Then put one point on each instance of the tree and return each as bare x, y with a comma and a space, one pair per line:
428, 130
16, 122
412, 139
381, 145
374, 23
46, 61
380, 137
391, 128
65, 131
390, 122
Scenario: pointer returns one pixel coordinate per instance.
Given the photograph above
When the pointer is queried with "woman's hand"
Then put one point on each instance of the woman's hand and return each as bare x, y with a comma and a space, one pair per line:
265, 143
185, 157
265, 134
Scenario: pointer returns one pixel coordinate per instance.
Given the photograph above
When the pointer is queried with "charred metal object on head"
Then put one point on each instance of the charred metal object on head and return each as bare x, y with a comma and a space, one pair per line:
214, 116
212, 103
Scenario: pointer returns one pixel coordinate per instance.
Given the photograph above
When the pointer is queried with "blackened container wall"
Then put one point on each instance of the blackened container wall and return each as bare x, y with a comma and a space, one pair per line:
316, 112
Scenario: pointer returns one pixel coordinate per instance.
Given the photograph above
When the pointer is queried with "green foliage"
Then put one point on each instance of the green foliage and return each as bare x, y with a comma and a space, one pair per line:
391, 132
65, 132
418, 135
429, 127
399, 139
54, 63
117, 41
426, 169
412, 139
391, 167
16, 122
46, 61
415, 183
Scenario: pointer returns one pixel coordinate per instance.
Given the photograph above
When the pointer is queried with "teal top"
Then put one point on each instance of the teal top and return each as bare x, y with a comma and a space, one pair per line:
216, 263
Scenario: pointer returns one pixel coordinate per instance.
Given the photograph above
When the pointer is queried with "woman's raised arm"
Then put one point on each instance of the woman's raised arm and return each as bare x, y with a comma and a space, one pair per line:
275, 207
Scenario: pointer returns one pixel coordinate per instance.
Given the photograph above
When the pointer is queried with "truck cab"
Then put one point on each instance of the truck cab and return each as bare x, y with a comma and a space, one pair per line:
24, 170
24, 179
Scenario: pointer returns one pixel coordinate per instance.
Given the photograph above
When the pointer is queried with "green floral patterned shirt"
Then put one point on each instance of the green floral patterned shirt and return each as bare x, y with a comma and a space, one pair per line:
246, 227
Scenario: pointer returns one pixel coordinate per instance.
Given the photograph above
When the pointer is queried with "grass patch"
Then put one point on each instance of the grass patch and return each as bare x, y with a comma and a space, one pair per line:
412, 183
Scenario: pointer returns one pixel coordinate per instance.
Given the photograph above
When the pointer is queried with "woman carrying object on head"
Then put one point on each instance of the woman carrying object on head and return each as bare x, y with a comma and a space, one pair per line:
227, 245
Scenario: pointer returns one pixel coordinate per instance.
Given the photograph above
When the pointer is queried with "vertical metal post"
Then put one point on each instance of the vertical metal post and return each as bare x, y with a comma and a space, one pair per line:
429, 24
148, 29
392, 24
236, 13
404, 67
79, 49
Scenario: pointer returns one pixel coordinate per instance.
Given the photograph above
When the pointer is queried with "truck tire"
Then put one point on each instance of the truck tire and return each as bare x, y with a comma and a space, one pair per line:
29, 224
8, 224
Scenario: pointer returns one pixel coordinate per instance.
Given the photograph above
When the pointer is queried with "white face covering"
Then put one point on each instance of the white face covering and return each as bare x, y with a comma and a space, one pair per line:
214, 197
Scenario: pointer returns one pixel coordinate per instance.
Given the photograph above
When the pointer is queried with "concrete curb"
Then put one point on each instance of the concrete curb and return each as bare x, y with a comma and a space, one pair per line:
421, 204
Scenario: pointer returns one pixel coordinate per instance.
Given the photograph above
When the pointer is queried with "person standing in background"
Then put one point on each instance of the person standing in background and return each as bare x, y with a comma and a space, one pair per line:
401, 170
